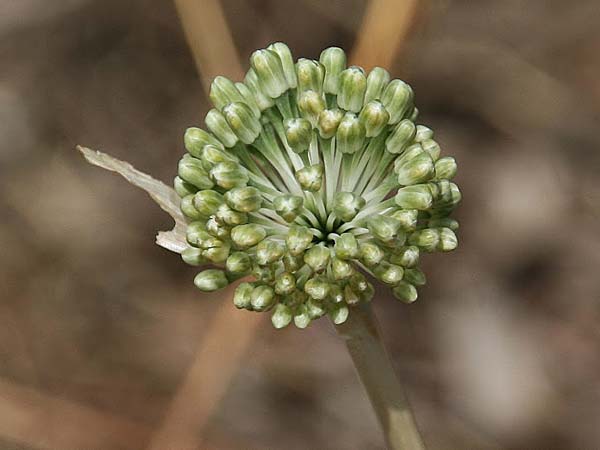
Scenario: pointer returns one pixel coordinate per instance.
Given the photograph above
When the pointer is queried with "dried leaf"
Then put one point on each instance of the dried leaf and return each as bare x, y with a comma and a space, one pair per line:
163, 195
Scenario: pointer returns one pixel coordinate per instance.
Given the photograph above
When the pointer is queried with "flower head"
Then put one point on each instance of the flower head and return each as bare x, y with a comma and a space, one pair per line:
307, 177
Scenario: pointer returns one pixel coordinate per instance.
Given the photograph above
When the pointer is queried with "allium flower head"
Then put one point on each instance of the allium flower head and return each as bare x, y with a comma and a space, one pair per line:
307, 177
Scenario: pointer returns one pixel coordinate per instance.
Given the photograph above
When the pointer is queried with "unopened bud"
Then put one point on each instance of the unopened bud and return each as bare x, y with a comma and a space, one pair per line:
341, 269
246, 236
238, 263
317, 288
407, 219
333, 60
269, 70
188, 209
339, 314
398, 100
346, 205
388, 273
183, 188
352, 86
210, 280
350, 135
229, 175
414, 197
415, 277
428, 239
193, 256
310, 75
196, 233
191, 171
310, 177
288, 206
298, 239
262, 298
268, 251
212, 155
287, 62
405, 292
285, 284
217, 229
242, 121
223, 91
207, 202
328, 122
346, 246
282, 316
400, 137
230, 216
317, 257
432, 147
249, 98
196, 138
406, 256
244, 199
414, 167
298, 133
242, 295
376, 82
262, 100
311, 104
423, 133
217, 124
445, 168
374, 118
386, 229
370, 254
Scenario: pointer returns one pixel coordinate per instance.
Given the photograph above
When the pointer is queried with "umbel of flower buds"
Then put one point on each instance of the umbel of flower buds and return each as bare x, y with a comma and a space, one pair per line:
309, 179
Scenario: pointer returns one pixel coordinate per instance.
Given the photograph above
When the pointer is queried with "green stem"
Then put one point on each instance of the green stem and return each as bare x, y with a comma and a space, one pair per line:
374, 367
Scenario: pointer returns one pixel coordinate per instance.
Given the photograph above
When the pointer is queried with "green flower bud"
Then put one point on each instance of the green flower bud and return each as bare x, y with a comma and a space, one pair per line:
207, 202
310, 177
388, 273
415, 277
269, 70
262, 298
414, 197
242, 296
183, 188
443, 222
431, 147
249, 98
376, 82
188, 209
402, 135
386, 229
445, 168
216, 123
193, 256
346, 205
288, 206
210, 280
287, 62
351, 296
448, 240
428, 239
310, 76
328, 122
317, 288
423, 133
223, 91
195, 139
231, 217
211, 156
268, 251
341, 269
370, 253
262, 100
339, 314
346, 246
285, 284
282, 316
407, 219
292, 262
266, 274
398, 100
302, 319
215, 228
414, 167
298, 239
374, 118
359, 283
406, 256
191, 171
242, 121
317, 257
196, 233
238, 263
244, 199
298, 133
353, 84
229, 175
405, 292
333, 60
311, 104
218, 251
415, 114
350, 135
246, 236
445, 194
315, 309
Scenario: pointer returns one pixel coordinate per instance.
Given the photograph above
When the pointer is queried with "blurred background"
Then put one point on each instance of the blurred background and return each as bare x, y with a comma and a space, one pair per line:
99, 326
